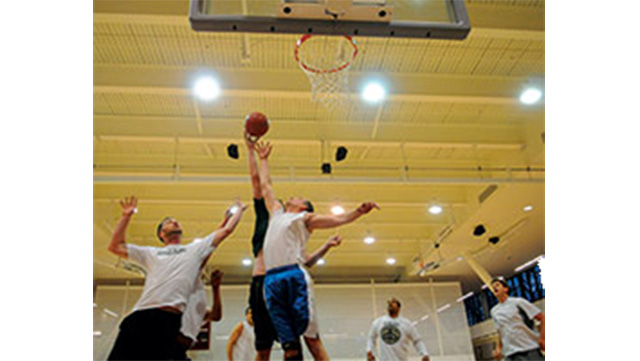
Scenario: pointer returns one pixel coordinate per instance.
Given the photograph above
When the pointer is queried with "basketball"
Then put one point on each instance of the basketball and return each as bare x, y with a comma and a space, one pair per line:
256, 124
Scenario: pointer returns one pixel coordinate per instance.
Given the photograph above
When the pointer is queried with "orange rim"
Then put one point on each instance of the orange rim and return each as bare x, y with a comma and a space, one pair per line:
306, 37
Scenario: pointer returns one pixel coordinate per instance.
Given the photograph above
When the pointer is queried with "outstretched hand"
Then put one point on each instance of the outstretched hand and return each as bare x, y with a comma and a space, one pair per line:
334, 241
366, 207
129, 206
264, 149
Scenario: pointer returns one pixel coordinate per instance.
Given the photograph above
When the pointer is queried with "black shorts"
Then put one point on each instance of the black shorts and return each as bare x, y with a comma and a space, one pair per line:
148, 335
262, 326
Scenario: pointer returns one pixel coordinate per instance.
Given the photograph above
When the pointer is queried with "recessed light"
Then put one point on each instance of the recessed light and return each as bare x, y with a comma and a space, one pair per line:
391, 261
435, 209
337, 210
246, 262
373, 92
369, 240
530, 96
527, 208
321, 261
233, 209
206, 88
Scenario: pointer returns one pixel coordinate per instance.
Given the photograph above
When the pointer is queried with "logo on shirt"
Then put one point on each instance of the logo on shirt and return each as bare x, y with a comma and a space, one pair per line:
390, 333
171, 251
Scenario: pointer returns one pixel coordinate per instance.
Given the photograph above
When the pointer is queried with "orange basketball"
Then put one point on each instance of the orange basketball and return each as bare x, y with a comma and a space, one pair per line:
256, 124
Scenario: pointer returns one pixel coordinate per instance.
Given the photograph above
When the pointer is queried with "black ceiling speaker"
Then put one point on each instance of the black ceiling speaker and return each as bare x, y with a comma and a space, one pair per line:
494, 240
326, 168
479, 230
341, 153
232, 151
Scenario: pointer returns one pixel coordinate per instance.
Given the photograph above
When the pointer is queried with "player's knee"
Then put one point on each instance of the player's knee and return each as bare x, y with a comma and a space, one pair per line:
292, 351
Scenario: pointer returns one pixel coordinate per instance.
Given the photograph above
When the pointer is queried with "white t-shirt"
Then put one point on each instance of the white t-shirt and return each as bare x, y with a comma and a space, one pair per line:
193, 316
171, 272
515, 334
243, 349
395, 334
286, 239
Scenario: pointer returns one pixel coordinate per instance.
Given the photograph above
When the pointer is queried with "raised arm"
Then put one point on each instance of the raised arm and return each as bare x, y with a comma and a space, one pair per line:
320, 221
333, 241
118, 246
264, 150
253, 167
224, 232
215, 314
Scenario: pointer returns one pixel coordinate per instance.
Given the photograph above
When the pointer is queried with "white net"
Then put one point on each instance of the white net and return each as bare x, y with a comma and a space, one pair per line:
326, 61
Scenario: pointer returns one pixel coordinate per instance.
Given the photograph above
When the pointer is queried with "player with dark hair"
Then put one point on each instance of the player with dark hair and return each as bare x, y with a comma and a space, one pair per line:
513, 316
287, 284
240, 344
396, 333
151, 330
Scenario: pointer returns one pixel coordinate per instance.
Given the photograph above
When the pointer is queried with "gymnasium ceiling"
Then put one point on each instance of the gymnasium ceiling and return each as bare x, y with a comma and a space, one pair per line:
451, 126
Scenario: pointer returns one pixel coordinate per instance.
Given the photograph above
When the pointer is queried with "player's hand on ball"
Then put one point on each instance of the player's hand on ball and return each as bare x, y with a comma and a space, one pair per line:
334, 241
251, 144
366, 207
129, 206
264, 149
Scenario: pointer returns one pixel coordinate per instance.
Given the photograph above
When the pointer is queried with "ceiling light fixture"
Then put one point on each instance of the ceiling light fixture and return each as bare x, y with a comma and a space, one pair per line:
530, 96
206, 88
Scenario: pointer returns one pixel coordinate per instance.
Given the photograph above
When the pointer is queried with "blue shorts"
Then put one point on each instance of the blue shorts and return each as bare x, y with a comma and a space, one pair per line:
287, 294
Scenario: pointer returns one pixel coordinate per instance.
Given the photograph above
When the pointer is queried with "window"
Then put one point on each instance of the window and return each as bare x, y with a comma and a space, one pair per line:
525, 284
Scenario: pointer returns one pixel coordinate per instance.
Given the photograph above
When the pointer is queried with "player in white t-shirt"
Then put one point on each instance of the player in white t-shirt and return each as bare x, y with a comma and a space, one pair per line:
197, 313
396, 334
150, 331
240, 345
287, 286
513, 316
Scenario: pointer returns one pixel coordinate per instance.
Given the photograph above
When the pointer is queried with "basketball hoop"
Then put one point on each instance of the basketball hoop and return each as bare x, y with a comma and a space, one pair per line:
326, 61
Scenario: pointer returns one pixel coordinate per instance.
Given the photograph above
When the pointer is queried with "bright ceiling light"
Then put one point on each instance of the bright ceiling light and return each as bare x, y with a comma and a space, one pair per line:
369, 240
435, 209
246, 262
528, 208
337, 210
530, 96
97, 333
110, 313
95, 305
206, 88
527, 264
233, 209
321, 261
465, 297
373, 92
391, 261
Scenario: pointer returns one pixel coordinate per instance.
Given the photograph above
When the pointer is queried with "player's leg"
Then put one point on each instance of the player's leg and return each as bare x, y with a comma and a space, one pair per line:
265, 335
312, 333
316, 348
278, 293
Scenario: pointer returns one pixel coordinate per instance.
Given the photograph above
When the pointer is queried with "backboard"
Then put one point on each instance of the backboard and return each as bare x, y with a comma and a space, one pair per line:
436, 19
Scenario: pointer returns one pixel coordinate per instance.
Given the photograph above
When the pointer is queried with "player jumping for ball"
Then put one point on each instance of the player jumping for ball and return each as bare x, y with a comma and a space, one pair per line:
265, 334
287, 286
